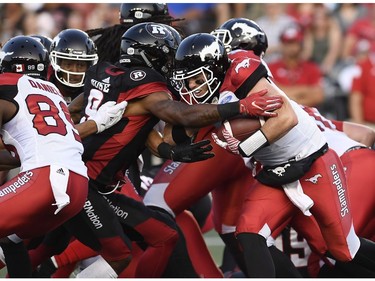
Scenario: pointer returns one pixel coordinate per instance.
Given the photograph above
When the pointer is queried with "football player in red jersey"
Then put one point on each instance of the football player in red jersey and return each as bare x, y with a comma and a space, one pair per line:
231, 33
278, 141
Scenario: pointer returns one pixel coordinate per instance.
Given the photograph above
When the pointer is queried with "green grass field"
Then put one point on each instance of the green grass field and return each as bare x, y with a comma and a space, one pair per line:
3, 272
215, 245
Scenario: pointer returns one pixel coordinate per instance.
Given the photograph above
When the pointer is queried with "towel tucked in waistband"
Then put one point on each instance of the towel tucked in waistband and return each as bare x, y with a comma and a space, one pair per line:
295, 193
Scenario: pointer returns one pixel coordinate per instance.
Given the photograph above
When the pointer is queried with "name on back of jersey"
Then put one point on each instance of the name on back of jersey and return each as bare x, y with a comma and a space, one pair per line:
101, 86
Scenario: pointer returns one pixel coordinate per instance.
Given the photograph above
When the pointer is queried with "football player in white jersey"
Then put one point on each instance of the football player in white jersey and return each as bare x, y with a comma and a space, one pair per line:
36, 128
290, 147
243, 34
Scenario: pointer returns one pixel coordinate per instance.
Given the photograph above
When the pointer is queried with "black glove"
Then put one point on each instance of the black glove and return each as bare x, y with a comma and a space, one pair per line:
186, 152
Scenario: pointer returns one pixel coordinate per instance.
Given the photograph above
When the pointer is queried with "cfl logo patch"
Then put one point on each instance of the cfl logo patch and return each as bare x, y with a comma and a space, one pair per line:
138, 14
137, 75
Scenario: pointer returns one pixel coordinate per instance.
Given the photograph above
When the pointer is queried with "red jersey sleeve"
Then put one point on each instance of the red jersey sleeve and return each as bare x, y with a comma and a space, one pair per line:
143, 90
339, 125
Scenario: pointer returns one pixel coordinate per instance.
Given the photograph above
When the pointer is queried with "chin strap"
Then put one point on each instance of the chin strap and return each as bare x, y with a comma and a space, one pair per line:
147, 61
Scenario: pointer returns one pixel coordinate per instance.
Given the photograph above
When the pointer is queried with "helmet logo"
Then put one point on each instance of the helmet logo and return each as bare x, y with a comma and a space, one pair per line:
157, 31
137, 75
248, 31
213, 50
40, 67
138, 14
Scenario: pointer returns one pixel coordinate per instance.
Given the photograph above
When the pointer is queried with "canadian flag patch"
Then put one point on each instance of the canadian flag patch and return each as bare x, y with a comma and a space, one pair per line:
20, 68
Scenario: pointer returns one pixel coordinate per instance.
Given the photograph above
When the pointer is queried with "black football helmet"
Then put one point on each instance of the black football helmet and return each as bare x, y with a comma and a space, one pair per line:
139, 12
24, 55
74, 45
244, 34
46, 41
148, 44
200, 55
176, 34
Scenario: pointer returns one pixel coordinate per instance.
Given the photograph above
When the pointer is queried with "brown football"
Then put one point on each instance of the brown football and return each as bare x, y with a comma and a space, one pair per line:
240, 127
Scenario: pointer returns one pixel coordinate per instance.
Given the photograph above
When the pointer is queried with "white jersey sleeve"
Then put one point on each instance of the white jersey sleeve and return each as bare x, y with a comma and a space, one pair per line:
337, 140
301, 141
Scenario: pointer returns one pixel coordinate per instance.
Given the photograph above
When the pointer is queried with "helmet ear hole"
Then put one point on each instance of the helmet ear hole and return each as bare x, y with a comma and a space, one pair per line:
211, 62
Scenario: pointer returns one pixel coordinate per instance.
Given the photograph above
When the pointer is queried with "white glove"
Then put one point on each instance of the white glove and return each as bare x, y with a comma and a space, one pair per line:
108, 115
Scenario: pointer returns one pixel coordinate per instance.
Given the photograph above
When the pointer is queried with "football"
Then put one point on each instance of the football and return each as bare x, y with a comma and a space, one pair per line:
240, 127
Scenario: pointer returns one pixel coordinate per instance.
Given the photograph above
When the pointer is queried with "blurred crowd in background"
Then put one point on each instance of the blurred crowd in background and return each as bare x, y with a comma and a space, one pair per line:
339, 38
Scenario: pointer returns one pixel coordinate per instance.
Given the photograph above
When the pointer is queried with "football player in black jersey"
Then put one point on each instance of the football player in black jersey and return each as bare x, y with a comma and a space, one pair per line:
72, 52
149, 100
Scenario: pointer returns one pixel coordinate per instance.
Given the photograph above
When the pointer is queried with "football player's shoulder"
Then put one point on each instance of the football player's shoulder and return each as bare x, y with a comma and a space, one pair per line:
241, 68
99, 67
141, 75
241, 54
8, 78
8, 85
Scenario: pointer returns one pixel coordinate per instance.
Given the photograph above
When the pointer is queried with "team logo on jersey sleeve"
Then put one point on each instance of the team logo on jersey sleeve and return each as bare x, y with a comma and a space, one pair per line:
243, 64
137, 75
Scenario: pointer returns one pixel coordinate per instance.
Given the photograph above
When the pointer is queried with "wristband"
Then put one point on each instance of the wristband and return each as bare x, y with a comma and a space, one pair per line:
252, 144
228, 110
179, 134
165, 150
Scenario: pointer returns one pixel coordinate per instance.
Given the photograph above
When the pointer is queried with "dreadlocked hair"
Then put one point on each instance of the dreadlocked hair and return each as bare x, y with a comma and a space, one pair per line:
108, 39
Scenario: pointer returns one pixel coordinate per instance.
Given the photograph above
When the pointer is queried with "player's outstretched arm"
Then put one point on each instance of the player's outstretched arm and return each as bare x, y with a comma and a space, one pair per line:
359, 132
161, 105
